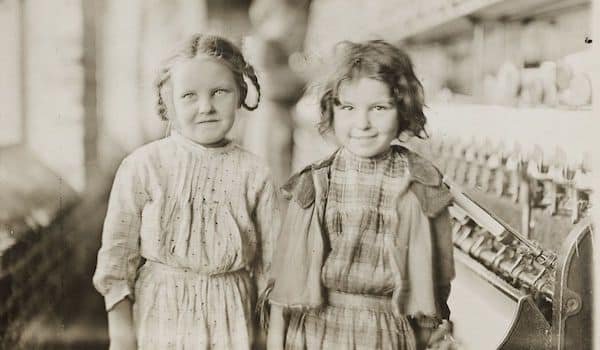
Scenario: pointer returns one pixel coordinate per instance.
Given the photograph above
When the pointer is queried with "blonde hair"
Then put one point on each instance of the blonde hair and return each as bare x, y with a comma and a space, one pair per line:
214, 46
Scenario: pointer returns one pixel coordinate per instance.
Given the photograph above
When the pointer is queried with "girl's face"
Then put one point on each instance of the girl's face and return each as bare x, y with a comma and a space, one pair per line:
365, 121
205, 99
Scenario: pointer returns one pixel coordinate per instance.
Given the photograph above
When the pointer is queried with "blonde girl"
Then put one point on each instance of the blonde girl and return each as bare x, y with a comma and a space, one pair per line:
187, 236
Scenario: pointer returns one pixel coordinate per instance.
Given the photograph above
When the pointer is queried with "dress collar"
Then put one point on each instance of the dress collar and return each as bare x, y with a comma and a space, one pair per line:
301, 185
347, 155
198, 148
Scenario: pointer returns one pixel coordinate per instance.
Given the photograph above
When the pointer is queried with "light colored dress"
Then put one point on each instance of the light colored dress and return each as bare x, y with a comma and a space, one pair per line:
360, 217
188, 237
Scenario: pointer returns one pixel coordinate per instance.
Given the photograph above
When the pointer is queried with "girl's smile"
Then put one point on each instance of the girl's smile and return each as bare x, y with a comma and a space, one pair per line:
360, 137
210, 121
365, 117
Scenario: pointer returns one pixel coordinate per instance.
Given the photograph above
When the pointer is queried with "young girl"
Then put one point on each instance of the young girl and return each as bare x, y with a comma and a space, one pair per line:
364, 259
187, 234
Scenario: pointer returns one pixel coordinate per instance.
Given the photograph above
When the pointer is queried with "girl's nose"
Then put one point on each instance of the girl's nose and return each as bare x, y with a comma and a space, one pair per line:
205, 105
362, 121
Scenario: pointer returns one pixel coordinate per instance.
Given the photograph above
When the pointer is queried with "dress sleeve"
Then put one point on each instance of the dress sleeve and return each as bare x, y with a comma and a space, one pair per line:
268, 224
119, 255
444, 258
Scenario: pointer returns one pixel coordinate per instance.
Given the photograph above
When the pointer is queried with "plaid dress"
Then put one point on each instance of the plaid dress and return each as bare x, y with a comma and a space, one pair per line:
361, 212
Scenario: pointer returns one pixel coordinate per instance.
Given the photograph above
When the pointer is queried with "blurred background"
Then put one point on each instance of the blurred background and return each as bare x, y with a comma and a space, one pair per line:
508, 84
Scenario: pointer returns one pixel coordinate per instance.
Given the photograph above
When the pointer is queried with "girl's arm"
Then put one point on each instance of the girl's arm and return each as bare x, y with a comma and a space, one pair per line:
429, 330
268, 223
444, 259
119, 255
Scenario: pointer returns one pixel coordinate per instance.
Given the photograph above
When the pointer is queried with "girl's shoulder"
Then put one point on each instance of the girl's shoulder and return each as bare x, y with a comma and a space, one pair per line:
300, 186
148, 151
248, 156
421, 169
250, 162
427, 182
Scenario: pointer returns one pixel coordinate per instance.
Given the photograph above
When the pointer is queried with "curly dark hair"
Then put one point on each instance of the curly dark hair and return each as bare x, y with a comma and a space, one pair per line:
379, 60
217, 47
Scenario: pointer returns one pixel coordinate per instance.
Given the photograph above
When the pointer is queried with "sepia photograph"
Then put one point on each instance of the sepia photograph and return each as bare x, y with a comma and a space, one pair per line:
299, 174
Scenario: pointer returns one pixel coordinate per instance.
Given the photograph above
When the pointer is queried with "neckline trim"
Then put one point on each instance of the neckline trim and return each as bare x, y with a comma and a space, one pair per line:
347, 154
198, 148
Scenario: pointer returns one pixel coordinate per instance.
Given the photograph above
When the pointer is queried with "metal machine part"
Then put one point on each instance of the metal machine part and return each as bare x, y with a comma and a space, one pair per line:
551, 292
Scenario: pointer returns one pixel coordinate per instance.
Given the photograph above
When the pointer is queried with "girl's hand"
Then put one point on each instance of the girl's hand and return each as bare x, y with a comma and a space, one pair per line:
446, 344
441, 338
423, 335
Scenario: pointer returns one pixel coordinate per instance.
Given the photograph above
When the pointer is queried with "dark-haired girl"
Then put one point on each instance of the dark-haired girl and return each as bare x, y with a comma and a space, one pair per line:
364, 259
186, 240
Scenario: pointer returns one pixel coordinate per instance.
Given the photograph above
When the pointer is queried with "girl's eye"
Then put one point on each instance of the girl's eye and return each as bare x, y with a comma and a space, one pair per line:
346, 107
188, 95
220, 92
380, 108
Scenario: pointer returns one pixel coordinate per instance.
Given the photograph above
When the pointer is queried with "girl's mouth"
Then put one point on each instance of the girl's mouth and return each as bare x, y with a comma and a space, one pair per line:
364, 137
208, 121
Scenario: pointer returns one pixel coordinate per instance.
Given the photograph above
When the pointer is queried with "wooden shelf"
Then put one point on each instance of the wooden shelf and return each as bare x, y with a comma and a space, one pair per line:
447, 19
513, 10
457, 16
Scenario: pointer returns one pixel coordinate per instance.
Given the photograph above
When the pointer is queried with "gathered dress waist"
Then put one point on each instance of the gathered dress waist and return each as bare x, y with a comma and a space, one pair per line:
359, 301
189, 272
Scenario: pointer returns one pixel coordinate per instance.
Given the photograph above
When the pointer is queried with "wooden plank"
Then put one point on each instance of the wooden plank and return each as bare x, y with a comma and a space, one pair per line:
454, 17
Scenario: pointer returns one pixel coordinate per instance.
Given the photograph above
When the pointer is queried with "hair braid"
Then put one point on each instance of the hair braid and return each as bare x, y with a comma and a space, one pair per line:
161, 108
249, 72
